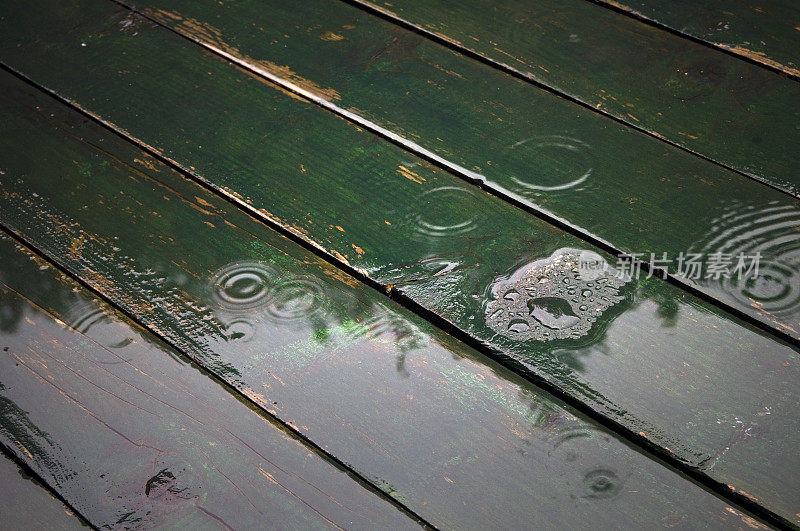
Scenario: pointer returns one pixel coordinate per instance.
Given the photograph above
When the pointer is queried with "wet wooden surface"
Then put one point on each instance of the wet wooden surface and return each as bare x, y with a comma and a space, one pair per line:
26, 504
132, 435
764, 32
456, 437
421, 417
736, 113
519, 141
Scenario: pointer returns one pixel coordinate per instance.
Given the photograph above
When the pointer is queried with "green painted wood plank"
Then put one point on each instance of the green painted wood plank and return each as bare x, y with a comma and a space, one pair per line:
736, 113
26, 504
134, 436
764, 32
658, 362
458, 438
524, 143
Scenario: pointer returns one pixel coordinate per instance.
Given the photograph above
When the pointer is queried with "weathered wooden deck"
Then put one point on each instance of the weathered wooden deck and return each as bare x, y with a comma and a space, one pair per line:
273, 264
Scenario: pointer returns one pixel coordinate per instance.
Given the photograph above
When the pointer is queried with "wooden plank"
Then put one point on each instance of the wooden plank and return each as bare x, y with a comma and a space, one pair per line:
532, 146
134, 436
348, 194
26, 504
458, 438
764, 32
708, 102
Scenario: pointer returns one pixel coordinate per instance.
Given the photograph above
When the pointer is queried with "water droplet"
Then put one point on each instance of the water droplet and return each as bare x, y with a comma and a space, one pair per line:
517, 326
601, 484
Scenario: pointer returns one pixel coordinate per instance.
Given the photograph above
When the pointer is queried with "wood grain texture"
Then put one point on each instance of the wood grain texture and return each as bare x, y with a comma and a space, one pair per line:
764, 32
26, 505
520, 141
736, 113
134, 436
459, 439
659, 363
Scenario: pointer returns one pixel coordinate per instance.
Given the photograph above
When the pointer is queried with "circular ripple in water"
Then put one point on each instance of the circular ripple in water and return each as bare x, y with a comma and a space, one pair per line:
548, 163
576, 459
295, 299
445, 211
774, 233
83, 321
242, 285
550, 299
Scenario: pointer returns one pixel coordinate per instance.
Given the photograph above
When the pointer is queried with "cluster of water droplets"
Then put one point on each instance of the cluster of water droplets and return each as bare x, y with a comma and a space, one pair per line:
550, 299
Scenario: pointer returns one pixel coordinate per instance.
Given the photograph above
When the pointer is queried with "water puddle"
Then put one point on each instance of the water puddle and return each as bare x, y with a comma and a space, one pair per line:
553, 298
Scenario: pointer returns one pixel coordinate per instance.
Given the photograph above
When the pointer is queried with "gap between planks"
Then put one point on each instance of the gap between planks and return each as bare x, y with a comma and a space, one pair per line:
627, 435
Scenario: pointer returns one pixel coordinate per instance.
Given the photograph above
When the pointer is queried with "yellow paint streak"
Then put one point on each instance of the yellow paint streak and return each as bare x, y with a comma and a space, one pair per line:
408, 174
27, 452
331, 36
623, 7
146, 163
340, 257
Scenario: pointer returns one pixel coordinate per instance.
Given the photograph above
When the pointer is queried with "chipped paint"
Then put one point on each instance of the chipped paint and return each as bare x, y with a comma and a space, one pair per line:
213, 37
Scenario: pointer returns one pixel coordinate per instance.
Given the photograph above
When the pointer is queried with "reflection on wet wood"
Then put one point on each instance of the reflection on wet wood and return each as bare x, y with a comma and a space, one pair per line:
132, 435
459, 439
764, 32
25, 504
736, 113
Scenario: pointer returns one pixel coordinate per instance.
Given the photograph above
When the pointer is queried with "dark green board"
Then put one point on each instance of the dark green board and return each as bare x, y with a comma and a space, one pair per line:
765, 32
459, 439
25, 504
132, 435
739, 114
524, 143
659, 362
